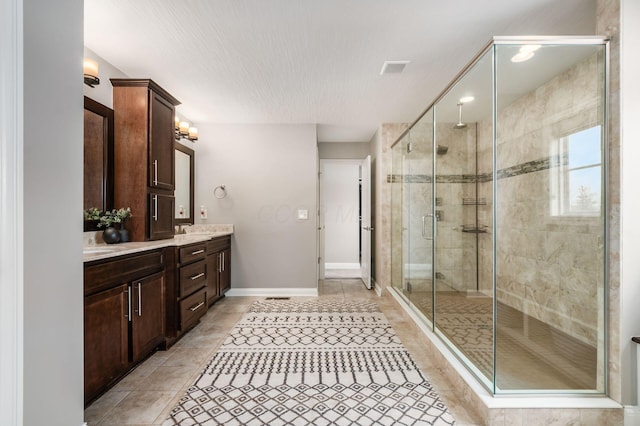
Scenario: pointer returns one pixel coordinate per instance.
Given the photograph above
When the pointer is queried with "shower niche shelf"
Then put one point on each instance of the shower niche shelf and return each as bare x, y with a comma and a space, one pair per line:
474, 201
474, 229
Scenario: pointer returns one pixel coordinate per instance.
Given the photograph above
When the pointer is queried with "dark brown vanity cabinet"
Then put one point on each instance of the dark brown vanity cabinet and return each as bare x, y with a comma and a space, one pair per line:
219, 261
193, 275
106, 339
124, 316
187, 294
144, 175
146, 315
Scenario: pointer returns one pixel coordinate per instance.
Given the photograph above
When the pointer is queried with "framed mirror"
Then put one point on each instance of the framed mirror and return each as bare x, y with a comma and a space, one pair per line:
98, 158
184, 184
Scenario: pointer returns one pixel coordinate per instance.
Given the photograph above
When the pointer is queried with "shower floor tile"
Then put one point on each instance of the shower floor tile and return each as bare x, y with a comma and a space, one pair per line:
529, 354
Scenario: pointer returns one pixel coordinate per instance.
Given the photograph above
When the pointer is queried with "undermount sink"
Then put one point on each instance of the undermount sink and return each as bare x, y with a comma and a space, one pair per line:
97, 250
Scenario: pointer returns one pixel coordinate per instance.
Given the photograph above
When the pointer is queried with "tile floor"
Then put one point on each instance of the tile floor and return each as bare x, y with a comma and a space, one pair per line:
149, 392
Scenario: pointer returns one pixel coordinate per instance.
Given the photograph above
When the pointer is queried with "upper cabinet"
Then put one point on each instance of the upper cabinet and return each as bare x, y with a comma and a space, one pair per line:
144, 174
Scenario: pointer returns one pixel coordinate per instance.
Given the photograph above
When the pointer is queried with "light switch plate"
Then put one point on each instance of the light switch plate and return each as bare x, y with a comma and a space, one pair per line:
303, 214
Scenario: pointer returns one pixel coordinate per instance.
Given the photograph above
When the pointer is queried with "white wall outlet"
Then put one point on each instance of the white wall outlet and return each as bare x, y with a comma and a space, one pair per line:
203, 212
303, 214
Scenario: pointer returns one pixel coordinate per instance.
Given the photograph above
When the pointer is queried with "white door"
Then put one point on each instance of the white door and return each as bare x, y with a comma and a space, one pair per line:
365, 235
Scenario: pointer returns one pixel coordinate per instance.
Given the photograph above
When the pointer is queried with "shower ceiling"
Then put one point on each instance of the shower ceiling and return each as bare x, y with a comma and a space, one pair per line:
309, 61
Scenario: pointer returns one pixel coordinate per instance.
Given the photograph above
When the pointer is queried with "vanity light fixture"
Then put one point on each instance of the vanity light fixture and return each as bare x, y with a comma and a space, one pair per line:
466, 99
525, 53
90, 72
184, 130
193, 134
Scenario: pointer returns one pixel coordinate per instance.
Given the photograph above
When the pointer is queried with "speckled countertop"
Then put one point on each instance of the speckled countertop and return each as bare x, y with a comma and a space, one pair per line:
95, 249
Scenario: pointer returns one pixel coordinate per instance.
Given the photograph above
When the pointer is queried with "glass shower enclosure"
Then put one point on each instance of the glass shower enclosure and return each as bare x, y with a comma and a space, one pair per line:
498, 196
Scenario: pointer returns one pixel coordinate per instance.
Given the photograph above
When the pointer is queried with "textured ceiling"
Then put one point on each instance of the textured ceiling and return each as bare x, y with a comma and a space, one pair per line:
312, 61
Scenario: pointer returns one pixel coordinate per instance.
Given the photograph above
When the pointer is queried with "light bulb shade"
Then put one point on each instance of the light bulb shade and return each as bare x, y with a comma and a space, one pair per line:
193, 134
90, 68
184, 128
177, 126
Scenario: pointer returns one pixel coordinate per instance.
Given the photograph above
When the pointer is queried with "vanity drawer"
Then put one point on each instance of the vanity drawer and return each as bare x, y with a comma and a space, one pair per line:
193, 252
192, 308
193, 277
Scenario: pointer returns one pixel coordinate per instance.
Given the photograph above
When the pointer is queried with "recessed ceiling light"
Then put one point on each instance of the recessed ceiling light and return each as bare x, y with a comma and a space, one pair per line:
466, 99
393, 67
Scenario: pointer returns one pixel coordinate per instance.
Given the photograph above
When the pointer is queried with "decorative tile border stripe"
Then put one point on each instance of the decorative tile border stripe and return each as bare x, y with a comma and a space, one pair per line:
517, 170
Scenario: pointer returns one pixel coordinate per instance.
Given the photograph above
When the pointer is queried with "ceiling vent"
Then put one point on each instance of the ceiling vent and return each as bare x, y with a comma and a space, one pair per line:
393, 67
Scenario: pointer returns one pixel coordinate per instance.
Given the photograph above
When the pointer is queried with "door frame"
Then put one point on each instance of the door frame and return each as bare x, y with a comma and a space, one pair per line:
11, 217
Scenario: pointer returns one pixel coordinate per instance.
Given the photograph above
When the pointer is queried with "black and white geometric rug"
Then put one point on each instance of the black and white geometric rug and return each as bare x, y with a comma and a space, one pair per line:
311, 363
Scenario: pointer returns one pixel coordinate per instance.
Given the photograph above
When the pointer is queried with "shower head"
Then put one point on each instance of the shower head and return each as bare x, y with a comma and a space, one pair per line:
460, 124
441, 149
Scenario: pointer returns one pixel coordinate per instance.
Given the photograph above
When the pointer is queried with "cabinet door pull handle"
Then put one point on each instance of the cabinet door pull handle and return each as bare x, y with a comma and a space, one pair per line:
195, 277
128, 291
155, 208
197, 252
155, 172
139, 299
222, 261
195, 308
219, 262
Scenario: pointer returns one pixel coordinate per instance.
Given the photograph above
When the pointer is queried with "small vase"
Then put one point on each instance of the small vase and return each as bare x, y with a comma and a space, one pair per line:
111, 235
124, 235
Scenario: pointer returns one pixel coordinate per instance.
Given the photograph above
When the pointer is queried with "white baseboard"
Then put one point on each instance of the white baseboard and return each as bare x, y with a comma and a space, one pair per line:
341, 266
272, 292
376, 287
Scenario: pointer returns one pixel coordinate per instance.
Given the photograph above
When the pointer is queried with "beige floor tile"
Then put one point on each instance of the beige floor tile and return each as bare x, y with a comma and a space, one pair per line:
167, 378
188, 357
130, 381
139, 407
96, 411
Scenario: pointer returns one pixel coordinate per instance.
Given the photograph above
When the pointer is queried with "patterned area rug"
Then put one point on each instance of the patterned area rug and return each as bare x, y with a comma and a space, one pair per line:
311, 363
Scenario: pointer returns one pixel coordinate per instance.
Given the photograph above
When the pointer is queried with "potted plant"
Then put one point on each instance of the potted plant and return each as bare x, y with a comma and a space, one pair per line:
113, 221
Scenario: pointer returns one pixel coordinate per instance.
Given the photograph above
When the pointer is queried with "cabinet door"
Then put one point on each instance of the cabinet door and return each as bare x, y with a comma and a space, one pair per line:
225, 273
161, 210
161, 136
105, 339
212, 278
147, 325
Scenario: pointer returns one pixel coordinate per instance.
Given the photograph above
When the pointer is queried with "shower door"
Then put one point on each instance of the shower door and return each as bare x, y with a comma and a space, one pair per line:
412, 210
420, 214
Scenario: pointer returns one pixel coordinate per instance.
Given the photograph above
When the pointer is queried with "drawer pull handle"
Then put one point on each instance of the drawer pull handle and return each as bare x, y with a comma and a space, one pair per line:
155, 208
197, 252
198, 306
195, 277
155, 172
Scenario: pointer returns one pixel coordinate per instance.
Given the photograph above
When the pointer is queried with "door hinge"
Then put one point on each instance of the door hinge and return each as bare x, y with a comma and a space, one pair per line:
407, 286
409, 147
319, 260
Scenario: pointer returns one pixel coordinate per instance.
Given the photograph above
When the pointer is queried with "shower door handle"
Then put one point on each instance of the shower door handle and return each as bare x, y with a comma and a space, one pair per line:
424, 223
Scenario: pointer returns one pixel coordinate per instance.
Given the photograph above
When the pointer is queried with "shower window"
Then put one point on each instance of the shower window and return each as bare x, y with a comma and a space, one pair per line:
576, 188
